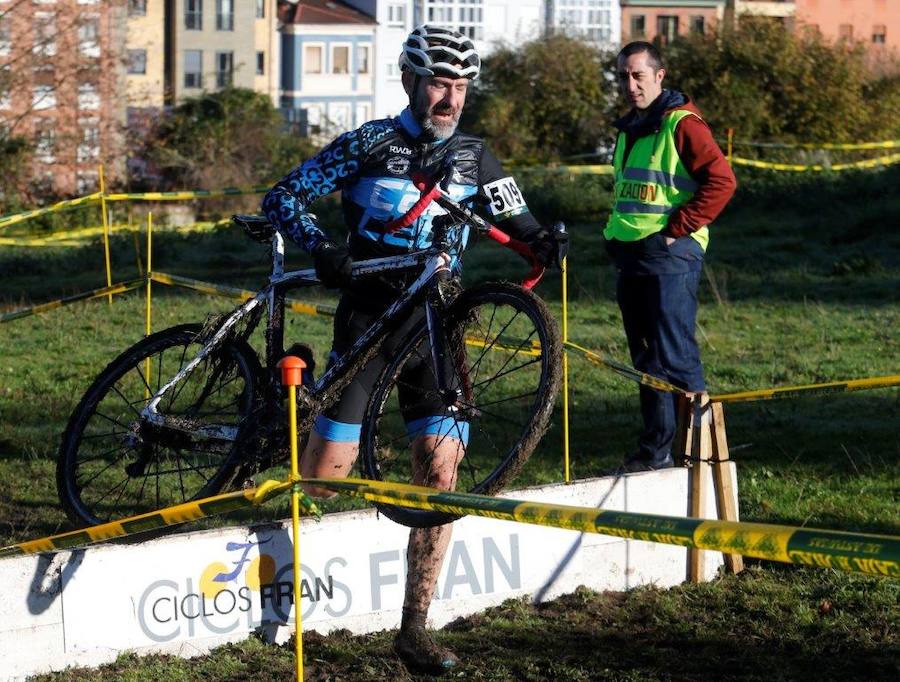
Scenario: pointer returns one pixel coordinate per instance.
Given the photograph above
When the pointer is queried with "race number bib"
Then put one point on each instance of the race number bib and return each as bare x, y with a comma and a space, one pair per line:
506, 199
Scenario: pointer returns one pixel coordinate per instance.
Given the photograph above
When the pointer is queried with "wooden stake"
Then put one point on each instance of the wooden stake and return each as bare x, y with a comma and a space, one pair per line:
701, 451
723, 482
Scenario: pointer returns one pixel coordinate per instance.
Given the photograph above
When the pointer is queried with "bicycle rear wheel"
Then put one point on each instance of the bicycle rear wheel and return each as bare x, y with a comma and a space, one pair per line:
112, 464
503, 351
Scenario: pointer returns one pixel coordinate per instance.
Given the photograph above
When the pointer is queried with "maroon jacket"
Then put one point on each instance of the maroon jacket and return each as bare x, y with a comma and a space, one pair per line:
700, 155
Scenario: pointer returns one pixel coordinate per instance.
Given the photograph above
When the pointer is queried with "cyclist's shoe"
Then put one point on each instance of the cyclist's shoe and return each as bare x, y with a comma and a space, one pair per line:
305, 353
421, 654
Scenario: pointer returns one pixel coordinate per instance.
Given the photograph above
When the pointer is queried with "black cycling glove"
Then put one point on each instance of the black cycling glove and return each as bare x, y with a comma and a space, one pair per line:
333, 265
550, 247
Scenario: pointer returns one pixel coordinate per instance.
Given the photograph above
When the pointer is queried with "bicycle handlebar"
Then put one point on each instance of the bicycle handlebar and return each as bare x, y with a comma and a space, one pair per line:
432, 192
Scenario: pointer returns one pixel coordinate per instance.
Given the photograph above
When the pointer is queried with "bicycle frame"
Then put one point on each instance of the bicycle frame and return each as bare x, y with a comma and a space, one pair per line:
436, 262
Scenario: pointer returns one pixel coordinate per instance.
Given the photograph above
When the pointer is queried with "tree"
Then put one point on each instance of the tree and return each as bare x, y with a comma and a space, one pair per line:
772, 85
543, 101
232, 137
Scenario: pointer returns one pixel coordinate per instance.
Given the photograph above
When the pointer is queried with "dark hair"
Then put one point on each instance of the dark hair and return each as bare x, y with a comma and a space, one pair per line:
638, 46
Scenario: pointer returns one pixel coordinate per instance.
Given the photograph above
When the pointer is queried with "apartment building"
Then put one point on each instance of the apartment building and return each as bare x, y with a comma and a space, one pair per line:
61, 72
328, 53
597, 21
211, 44
667, 19
874, 22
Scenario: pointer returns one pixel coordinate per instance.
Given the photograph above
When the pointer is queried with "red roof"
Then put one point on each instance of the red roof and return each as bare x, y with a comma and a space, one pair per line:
321, 12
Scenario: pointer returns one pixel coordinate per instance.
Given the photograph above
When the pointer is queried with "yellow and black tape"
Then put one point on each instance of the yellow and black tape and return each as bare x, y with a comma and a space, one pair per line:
238, 294
77, 237
182, 513
12, 219
809, 389
868, 163
624, 370
187, 195
844, 146
587, 169
120, 288
845, 551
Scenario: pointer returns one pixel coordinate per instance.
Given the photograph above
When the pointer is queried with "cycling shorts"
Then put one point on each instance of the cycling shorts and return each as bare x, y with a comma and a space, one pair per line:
422, 407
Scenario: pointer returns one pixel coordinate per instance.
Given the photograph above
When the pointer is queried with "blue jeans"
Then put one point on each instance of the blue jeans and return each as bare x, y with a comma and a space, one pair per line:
660, 314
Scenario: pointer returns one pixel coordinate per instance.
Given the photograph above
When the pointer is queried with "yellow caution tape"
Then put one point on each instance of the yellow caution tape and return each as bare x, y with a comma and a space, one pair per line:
238, 294
186, 195
888, 144
67, 237
624, 370
808, 389
603, 169
846, 551
12, 219
868, 163
76, 237
170, 516
87, 295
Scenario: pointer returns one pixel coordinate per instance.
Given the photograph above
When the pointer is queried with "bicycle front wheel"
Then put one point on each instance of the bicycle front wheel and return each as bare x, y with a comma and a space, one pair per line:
112, 464
503, 369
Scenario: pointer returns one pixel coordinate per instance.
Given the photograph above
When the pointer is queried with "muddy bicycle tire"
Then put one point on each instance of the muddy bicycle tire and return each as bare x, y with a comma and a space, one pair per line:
505, 352
110, 467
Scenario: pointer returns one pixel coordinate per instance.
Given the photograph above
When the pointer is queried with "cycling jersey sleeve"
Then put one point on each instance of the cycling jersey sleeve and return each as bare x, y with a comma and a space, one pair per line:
503, 200
286, 203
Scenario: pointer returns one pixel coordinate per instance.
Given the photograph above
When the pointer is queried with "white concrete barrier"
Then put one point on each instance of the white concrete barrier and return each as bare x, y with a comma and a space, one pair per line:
184, 594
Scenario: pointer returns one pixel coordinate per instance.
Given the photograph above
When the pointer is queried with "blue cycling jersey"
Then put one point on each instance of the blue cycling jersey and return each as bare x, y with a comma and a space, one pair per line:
374, 166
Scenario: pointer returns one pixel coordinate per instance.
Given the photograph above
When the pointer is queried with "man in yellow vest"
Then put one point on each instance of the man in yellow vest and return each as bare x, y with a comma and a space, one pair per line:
671, 182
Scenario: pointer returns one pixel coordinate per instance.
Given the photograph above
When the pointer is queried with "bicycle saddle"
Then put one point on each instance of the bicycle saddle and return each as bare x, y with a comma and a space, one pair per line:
257, 227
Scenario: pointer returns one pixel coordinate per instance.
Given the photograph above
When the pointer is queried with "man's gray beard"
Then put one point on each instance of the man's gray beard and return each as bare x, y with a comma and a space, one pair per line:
439, 131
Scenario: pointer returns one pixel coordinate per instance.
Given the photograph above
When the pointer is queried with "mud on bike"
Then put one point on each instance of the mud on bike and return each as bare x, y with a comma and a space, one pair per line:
192, 410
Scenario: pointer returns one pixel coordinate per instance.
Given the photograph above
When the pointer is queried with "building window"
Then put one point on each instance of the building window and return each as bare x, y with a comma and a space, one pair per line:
362, 59
88, 97
88, 34
224, 69
193, 15
845, 31
43, 97
89, 149
193, 68
224, 15
44, 34
396, 17
340, 59
666, 28
638, 26
698, 24
879, 34
137, 61
260, 9
44, 140
260, 63
393, 71
137, 8
312, 59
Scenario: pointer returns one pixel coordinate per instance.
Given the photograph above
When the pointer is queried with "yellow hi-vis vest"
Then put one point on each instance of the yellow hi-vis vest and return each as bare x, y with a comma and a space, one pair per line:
650, 184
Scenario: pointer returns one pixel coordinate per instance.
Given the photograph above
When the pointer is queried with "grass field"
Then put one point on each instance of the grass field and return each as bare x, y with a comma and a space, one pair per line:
802, 285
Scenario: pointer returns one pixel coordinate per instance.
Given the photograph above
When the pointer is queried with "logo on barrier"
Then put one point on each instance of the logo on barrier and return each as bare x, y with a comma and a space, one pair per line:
249, 591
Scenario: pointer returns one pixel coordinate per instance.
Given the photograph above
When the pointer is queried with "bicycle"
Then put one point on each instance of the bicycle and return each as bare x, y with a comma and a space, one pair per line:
191, 410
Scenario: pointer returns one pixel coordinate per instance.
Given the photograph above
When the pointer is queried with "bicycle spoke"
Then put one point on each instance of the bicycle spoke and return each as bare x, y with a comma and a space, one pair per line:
507, 372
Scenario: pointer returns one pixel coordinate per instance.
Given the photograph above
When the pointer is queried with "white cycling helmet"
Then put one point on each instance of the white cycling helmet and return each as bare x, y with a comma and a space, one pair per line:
435, 51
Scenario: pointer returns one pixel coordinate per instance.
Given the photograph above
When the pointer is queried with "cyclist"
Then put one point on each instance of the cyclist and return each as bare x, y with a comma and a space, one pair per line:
374, 167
